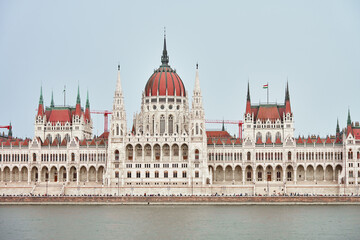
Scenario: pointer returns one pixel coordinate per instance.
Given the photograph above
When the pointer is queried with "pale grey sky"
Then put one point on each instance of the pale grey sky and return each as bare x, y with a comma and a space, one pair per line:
315, 44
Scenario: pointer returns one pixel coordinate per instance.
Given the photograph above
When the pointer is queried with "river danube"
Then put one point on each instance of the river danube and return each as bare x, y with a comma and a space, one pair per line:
179, 222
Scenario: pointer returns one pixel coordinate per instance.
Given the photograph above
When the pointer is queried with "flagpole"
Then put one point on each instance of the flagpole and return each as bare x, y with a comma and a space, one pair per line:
267, 92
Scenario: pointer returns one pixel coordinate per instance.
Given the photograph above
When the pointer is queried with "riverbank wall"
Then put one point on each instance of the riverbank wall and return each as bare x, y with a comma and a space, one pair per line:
195, 200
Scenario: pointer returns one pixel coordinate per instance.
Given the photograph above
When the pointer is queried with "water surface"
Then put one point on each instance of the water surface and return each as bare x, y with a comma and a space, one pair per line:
179, 222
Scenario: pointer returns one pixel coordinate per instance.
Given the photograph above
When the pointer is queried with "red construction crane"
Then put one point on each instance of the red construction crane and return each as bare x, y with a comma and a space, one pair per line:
8, 127
106, 114
237, 122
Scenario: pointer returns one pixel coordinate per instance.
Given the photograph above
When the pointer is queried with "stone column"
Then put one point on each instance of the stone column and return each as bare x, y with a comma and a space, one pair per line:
29, 176
295, 175
284, 175
243, 176
254, 175
334, 175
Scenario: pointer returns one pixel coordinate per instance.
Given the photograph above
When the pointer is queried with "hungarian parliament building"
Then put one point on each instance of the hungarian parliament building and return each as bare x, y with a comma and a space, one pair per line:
168, 150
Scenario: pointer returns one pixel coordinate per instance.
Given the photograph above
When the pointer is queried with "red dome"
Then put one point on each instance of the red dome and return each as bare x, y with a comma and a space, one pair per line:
162, 80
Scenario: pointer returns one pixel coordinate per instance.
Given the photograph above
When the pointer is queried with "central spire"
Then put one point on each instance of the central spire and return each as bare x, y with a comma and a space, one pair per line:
165, 57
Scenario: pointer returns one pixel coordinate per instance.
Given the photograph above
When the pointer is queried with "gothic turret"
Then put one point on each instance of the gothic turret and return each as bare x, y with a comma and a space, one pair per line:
78, 104
87, 109
118, 118
248, 101
287, 99
52, 100
41, 104
197, 110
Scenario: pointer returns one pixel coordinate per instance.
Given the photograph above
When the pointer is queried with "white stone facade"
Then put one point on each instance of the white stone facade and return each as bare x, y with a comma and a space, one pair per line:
168, 151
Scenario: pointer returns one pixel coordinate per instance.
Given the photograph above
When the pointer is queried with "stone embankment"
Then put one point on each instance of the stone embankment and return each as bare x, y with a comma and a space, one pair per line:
218, 200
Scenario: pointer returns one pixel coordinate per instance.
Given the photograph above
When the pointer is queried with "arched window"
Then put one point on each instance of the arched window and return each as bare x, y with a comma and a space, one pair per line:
156, 174
147, 174
184, 174
162, 124
116, 155
73, 157
268, 135
171, 124
258, 135
196, 154
278, 136
67, 137
350, 154
117, 129
197, 129
34, 157
175, 174
58, 137
166, 174
248, 156
289, 155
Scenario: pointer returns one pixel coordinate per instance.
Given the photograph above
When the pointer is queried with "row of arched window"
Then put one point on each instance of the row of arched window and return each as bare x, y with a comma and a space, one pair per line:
259, 156
53, 157
225, 156
14, 157
351, 154
92, 157
156, 174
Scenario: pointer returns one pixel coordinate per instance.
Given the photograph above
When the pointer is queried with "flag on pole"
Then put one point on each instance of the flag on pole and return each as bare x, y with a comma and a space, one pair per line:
265, 86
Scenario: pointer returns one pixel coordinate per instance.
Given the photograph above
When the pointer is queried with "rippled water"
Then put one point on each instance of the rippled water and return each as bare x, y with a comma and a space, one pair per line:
179, 222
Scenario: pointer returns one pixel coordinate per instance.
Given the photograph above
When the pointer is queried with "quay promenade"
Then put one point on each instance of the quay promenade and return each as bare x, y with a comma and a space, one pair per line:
215, 200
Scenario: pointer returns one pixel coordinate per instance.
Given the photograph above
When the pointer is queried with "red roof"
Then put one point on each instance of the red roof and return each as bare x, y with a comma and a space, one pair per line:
356, 132
278, 141
268, 112
165, 81
268, 141
299, 141
218, 134
104, 135
318, 141
64, 142
59, 115
219, 142
259, 141
209, 141
309, 140
237, 142
328, 140
228, 141
55, 142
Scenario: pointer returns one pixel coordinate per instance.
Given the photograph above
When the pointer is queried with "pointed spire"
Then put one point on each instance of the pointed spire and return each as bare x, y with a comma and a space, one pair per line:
41, 104
248, 92
197, 81
78, 96
41, 100
349, 118
287, 95
118, 83
52, 99
248, 102
223, 126
337, 127
87, 100
10, 131
165, 57
287, 99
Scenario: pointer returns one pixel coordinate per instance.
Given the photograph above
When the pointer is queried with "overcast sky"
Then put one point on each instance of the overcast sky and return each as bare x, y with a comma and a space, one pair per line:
313, 44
